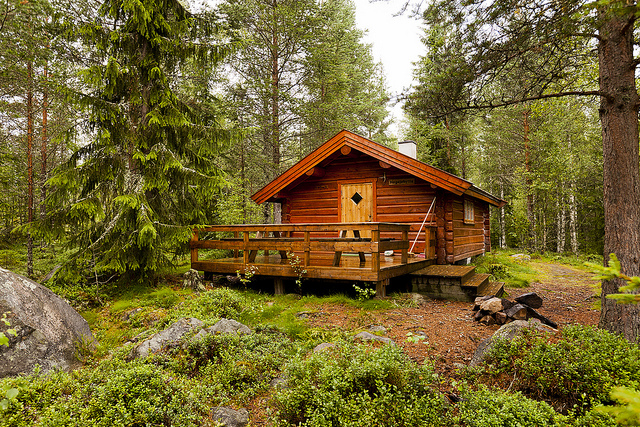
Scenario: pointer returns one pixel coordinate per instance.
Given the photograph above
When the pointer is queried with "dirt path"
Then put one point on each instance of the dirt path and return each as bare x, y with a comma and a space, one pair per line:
450, 333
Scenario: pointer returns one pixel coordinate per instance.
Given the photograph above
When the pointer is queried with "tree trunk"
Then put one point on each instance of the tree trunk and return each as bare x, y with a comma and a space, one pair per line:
43, 149
619, 119
503, 226
275, 109
30, 166
573, 218
528, 181
544, 230
561, 227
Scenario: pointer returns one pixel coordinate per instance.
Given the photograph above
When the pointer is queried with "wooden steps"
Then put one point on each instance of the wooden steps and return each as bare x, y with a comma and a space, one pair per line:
457, 282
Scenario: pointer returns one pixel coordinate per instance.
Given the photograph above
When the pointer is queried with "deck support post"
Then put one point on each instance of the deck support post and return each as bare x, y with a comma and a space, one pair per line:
381, 288
278, 286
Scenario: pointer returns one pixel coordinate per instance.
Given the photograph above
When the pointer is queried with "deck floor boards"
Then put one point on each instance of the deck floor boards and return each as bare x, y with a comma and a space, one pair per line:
320, 267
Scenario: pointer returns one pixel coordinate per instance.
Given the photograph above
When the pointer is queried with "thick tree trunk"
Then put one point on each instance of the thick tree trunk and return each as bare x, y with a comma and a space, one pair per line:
619, 118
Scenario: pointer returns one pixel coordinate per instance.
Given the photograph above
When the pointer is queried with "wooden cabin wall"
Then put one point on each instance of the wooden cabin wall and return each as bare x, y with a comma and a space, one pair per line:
469, 239
399, 197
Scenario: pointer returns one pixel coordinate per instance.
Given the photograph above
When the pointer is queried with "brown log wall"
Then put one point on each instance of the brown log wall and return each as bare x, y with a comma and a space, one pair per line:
469, 239
316, 200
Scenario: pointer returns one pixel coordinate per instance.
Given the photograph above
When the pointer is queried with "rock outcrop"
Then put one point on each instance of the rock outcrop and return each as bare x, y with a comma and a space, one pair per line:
50, 333
229, 417
506, 332
163, 339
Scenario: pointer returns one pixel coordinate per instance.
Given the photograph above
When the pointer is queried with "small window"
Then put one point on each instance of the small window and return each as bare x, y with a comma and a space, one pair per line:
356, 198
469, 215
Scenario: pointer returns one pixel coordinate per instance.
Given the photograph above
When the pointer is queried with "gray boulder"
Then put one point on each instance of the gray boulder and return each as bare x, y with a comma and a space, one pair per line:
224, 326
368, 336
50, 333
230, 418
323, 347
168, 337
507, 332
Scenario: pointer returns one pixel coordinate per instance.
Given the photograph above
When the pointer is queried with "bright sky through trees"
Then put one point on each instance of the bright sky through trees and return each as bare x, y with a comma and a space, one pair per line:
396, 43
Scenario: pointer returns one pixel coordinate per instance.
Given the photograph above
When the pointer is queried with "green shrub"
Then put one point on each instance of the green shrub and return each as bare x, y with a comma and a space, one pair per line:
498, 271
495, 408
232, 366
355, 385
114, 393
212, 305
580, 368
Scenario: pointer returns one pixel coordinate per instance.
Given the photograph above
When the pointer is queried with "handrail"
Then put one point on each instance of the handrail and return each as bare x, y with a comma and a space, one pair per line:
283, 240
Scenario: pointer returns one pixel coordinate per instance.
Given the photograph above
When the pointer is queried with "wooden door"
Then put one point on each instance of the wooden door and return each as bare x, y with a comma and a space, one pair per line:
357, 203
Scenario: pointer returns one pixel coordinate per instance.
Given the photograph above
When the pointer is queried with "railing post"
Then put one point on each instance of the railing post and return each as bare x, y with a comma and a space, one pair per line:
194, 251
245, 246
235, 251
307, 248
375, 256
405, 251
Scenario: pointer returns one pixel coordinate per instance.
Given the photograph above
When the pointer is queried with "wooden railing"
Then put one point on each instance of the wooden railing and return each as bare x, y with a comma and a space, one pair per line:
305, 239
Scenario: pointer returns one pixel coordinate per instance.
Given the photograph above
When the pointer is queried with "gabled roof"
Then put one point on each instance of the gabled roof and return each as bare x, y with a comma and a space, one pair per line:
435, 176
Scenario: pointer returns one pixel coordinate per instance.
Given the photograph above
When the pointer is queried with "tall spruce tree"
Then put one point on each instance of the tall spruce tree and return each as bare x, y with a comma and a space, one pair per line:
129, 198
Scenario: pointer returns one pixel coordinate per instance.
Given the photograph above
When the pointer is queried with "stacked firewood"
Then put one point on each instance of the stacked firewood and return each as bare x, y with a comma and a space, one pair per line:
492, 310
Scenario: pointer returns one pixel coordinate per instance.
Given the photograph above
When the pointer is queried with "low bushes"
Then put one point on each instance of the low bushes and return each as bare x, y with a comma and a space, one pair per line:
355, 385
580, 367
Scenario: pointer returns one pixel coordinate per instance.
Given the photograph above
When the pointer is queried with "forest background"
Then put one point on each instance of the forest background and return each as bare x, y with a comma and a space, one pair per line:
123, 124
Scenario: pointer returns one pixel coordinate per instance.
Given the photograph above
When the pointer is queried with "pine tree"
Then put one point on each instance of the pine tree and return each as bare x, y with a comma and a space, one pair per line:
130, 197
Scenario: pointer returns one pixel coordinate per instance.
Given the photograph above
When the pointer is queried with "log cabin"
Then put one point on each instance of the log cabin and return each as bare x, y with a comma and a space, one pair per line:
351, 179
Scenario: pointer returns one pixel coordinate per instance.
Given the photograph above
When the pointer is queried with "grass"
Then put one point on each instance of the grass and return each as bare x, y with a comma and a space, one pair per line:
503, 268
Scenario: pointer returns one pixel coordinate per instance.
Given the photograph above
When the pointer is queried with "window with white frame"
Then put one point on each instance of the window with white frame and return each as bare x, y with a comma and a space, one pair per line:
469, 215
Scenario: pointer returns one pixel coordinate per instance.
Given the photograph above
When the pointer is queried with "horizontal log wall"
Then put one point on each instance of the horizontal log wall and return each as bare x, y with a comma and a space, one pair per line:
400, 198
468, 239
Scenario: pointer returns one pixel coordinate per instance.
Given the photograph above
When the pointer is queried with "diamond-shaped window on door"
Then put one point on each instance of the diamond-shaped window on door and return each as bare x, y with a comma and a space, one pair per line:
356, 198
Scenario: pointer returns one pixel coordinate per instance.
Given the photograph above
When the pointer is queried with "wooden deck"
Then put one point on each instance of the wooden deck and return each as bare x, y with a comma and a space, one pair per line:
314, 251
319, 267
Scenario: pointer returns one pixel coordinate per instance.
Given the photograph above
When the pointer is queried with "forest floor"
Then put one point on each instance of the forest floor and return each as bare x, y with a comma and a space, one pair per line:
450, 333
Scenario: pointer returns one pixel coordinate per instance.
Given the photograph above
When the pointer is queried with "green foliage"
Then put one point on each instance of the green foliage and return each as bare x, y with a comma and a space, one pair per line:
495, 408
4, 339
129, 199
231, 366
212, 305
614, 270
514, 273
365, 292
116, 392
355, 385
628, 410
579, 368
